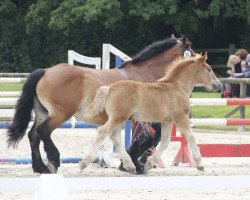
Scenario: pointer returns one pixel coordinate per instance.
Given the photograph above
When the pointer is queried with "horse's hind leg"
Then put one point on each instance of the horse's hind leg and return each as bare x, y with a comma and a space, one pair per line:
46, 124
37, 163
40, 115
44, 130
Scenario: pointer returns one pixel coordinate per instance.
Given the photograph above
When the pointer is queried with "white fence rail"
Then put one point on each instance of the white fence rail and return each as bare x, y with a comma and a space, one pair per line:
8, 94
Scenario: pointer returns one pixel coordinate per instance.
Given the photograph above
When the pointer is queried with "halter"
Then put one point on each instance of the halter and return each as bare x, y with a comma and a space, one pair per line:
123, 73
186, 52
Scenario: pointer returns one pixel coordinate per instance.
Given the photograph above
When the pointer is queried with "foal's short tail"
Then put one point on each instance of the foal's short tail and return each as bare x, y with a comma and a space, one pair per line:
98, 104
23, 109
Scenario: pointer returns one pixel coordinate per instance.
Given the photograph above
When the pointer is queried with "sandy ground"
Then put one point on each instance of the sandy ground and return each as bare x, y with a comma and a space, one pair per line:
74, 142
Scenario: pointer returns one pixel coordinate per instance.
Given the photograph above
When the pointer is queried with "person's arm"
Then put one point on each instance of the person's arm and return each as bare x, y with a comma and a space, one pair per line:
244, 63
235, 75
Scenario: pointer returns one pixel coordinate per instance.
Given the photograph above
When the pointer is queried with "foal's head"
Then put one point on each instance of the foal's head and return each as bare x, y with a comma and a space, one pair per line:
205, 75
194, 70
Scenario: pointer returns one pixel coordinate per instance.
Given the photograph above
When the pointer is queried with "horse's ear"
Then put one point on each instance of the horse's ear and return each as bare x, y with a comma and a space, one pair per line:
203, 57
173, 37
184, 39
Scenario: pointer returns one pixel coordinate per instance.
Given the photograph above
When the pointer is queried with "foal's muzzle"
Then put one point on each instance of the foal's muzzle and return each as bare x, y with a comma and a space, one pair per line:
216, 85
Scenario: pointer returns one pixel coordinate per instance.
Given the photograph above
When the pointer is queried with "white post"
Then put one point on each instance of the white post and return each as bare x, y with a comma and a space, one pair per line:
70, 58
52, 187
106, 50
105, 56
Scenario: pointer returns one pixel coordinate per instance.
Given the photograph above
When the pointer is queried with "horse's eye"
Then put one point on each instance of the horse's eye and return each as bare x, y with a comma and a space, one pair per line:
209, 69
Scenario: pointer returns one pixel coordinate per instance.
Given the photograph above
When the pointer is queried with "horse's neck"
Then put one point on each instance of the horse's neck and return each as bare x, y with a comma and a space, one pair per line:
153, 69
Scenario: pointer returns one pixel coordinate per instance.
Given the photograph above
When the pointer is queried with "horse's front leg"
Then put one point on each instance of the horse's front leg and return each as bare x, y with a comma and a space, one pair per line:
127, 162
184, 126
165, 140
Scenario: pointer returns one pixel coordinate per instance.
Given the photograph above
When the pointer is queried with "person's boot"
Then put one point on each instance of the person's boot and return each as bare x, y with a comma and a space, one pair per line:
222, 95
143, 159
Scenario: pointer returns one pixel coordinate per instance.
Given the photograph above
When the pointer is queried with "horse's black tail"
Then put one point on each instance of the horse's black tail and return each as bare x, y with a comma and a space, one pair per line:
16, 130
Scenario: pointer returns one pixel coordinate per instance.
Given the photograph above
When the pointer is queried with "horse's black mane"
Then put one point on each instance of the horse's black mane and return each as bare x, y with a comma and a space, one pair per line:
151, 51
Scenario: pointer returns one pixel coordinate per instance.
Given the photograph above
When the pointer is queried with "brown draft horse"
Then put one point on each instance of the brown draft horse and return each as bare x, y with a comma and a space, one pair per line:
170, 97
59, 92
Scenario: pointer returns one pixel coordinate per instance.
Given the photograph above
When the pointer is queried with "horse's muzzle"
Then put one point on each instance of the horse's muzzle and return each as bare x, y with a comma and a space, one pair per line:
216, 85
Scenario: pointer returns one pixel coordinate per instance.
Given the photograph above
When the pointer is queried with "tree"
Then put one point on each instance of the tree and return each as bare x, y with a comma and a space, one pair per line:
38, 33
14, 55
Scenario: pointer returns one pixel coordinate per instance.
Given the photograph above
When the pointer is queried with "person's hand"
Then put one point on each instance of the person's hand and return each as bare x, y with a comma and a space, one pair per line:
229, 72
244, 63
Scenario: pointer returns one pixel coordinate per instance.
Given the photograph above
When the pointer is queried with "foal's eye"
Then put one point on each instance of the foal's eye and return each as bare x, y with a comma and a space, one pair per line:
209, 69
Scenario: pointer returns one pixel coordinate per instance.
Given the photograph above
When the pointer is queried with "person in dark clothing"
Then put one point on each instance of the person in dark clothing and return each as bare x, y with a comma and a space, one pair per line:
142, 144
247, 74
148, 150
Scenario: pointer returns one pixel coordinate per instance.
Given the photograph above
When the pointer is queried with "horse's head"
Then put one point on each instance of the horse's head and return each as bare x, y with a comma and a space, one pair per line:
185, 44
206, 76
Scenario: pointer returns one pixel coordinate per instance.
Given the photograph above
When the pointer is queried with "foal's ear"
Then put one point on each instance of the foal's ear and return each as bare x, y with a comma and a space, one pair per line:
173, 37
203, 58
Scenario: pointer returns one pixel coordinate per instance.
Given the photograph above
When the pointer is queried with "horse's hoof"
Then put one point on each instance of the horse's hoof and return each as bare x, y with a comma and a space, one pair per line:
42, 169
201, 169
51, 167
46, 171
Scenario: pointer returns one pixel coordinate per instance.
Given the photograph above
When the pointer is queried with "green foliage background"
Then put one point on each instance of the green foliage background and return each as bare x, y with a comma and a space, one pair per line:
38, 33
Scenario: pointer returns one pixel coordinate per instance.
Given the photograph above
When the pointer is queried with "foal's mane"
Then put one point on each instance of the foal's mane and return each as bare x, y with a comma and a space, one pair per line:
152, 50
176, 67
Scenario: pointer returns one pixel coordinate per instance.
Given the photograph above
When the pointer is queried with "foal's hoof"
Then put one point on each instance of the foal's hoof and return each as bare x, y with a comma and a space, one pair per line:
121, 168
132, 171
201, 169
82, 165
148, 165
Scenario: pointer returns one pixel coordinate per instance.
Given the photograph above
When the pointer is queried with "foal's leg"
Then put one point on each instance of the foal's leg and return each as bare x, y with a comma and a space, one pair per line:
137, 150
165, 140
115, 136
184, 126
102, 133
